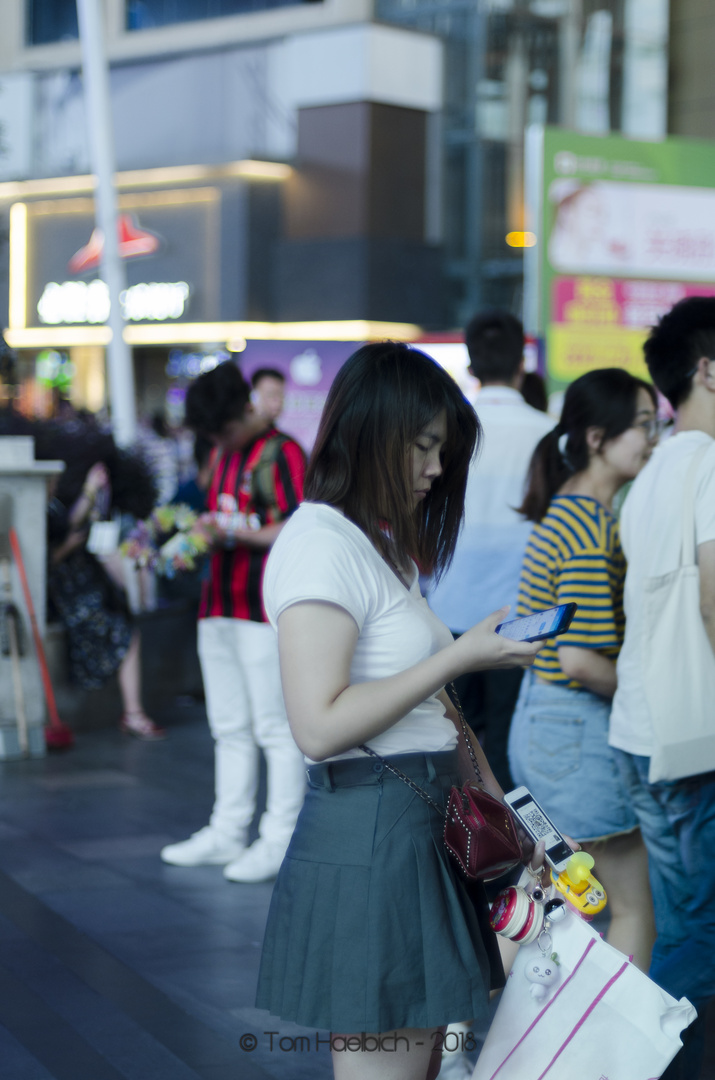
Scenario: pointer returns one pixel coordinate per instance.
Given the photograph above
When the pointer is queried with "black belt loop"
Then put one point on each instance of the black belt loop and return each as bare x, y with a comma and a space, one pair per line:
324, 771
431, 771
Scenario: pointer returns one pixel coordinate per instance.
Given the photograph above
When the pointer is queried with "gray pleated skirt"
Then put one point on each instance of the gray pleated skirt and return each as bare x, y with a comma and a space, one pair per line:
371, 927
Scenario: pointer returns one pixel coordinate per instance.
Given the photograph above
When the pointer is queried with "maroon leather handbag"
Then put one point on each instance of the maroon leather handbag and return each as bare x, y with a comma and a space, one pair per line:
480, 834
479, 830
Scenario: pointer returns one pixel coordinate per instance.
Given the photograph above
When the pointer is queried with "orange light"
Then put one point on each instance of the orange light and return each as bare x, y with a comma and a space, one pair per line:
520, 239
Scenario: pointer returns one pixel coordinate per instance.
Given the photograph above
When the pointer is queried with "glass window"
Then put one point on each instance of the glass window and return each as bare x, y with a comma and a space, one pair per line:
51, 20
142, 14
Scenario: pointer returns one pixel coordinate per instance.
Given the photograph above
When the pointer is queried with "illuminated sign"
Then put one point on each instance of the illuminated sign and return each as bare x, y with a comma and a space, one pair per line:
88, 302
46, 310
184, 281
133, 241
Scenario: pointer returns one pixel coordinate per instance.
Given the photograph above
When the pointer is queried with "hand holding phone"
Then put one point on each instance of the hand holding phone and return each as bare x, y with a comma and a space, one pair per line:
540, 625
482, 649
539, 827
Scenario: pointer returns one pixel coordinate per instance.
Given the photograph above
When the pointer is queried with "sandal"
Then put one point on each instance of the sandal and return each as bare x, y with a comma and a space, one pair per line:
141, 727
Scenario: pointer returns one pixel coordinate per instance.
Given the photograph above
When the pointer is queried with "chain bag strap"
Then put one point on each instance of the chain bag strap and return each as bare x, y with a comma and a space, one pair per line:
479, 830
403, 776
410, 783
454, 697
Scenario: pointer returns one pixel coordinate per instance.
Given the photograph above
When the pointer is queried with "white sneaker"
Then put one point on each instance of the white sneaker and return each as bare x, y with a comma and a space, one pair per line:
456, 1066
260, 862
205, 847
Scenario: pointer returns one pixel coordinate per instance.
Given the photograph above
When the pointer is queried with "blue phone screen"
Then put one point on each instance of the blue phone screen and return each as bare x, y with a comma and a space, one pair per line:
542, 622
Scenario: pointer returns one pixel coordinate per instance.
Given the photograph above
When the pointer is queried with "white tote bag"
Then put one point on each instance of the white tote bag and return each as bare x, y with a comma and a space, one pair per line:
601, 1019
678, 663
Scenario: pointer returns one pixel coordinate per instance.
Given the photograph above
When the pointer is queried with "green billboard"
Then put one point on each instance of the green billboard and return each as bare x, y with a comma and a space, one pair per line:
624, 230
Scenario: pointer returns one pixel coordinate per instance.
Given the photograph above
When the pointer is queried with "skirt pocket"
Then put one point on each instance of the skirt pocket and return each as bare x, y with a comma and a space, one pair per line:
326, 833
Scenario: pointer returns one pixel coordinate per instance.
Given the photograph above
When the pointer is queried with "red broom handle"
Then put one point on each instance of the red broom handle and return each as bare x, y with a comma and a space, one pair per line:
39, 647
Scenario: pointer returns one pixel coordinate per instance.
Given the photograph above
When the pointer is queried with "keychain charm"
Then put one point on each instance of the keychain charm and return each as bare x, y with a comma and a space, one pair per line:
543, 972
517, 915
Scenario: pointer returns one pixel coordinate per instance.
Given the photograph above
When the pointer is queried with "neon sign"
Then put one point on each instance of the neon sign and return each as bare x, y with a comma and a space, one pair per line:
88, 302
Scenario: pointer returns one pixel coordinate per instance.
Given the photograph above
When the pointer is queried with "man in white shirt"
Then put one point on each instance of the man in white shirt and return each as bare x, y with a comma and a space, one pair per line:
484, 574
677, 817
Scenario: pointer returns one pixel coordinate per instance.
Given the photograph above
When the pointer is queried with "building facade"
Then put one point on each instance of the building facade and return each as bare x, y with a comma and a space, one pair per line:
394, 129
273, 169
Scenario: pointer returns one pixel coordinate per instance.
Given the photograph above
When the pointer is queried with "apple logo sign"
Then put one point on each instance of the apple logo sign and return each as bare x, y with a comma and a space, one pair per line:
305, 368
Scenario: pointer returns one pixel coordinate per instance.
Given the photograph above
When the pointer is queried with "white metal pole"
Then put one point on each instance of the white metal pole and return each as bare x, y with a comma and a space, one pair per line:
533, 200
97, 104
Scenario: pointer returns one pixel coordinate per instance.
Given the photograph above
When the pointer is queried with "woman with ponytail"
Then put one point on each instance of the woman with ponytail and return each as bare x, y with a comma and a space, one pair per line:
558, 744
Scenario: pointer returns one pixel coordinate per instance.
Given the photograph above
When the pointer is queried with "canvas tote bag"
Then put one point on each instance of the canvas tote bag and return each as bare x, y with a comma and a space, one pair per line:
601, 1019
678, 663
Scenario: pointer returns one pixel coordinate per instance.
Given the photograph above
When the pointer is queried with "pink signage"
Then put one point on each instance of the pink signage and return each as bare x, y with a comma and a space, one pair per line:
612, 302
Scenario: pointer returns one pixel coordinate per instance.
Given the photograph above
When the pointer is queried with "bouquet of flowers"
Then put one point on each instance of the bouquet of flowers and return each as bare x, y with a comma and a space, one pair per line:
171, 540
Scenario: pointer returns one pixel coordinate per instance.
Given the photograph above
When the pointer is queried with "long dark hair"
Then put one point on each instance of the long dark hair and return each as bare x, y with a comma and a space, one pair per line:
81, 443
605, 399
380, 401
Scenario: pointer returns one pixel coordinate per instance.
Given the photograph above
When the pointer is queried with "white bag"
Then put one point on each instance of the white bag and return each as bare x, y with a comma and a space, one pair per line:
678, 663
602, 1019
103, 537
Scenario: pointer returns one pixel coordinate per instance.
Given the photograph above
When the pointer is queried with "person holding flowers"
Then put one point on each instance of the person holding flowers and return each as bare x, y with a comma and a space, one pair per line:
257, 484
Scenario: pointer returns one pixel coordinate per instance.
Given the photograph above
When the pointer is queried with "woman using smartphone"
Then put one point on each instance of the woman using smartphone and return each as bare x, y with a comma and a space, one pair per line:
371, 930
558, 743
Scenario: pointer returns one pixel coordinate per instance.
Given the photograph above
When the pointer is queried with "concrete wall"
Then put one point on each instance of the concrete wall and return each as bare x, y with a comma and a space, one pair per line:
208, 106
181, 38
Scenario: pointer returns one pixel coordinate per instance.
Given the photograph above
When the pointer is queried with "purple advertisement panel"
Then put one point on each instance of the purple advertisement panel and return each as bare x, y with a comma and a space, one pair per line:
309, 369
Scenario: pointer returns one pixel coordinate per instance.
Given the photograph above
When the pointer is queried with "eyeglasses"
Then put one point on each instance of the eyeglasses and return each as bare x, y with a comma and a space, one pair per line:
652, 427
710, 360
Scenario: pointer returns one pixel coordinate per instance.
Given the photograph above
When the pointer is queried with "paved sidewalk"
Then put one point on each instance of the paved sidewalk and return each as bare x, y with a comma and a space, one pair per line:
114, 966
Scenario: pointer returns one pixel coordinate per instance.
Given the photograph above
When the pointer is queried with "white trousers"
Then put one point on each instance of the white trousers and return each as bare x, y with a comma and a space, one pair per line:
244, 702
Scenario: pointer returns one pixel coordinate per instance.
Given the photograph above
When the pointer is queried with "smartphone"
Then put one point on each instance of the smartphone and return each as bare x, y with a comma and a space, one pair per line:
539, 827
540, 625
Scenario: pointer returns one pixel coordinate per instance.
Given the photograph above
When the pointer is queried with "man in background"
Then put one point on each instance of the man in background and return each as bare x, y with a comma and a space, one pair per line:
256, 485
268, 392
484, 574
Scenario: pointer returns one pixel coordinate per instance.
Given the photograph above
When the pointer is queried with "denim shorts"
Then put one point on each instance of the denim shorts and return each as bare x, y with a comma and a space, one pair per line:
558, 748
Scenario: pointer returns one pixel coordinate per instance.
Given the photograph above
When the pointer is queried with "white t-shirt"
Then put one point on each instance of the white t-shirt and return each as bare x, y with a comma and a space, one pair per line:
321, 555
484, 573
651, 534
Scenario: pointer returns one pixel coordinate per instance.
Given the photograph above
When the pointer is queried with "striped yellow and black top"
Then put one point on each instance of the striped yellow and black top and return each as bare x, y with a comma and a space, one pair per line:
574, 554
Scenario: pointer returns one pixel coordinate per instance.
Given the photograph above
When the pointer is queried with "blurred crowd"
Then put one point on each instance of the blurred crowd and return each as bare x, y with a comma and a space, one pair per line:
541, 529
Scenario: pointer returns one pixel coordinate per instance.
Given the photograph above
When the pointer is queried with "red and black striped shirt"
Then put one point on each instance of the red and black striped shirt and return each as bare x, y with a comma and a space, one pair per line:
264, 482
